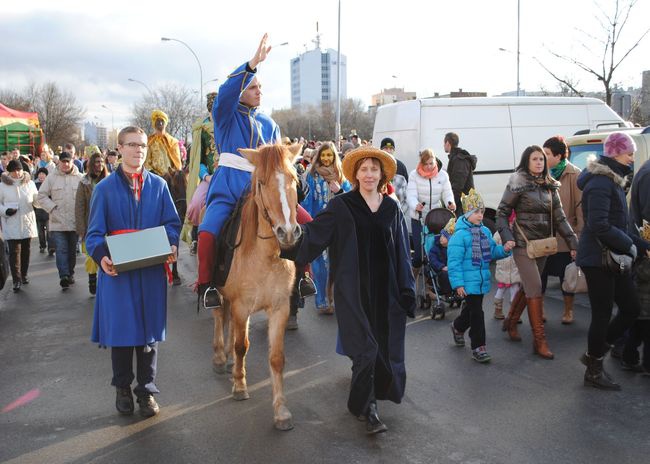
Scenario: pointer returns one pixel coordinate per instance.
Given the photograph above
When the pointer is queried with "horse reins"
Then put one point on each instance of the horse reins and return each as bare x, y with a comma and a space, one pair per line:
265, 212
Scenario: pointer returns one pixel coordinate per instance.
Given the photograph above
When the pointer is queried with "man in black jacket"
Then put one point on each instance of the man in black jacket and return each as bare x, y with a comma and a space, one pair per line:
460, 169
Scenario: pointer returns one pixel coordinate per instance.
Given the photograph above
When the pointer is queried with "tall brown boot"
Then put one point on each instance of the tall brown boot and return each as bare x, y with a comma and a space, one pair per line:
498, 308
516, 308
535, 311
567, 318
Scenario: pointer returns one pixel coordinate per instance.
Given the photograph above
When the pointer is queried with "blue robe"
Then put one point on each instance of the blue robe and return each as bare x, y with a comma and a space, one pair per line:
314, 203
235, 126
130, 308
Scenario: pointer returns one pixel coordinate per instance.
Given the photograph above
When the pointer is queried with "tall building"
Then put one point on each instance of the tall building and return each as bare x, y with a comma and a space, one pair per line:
94, 134
313, 77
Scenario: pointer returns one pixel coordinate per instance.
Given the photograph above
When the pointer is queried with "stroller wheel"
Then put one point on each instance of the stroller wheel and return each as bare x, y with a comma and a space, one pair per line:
438, 312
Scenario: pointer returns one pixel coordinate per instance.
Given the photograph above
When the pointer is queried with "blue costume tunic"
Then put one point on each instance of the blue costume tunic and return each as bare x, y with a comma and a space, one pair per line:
130, 308
235, 126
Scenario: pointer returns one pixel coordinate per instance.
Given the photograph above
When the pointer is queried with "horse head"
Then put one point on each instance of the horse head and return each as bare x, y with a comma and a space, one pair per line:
273, 186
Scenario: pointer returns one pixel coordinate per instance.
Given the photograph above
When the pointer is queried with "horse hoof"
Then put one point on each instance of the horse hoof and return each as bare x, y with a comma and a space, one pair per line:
219, 368
284, 424
240, 395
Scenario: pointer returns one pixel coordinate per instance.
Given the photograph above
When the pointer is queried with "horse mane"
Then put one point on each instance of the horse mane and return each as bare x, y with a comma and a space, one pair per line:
271, 159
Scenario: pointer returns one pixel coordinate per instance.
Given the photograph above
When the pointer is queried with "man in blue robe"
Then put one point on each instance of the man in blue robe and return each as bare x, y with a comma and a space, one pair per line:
131, 307
238, 123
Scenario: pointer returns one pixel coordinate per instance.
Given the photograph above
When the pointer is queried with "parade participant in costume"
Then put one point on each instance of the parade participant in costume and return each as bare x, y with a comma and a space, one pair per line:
96, 172
163, 151
324, 179
238, 123
373, 284
203, 163
131, 307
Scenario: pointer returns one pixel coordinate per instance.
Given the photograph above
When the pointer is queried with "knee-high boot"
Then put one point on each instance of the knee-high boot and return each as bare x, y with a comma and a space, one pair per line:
535, 316
516, 308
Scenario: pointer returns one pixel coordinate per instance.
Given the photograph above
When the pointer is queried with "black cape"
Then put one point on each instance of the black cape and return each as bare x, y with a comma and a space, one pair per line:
374, 289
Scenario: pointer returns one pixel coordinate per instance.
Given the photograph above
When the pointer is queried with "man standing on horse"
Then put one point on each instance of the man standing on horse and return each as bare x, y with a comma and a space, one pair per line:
238, 123
163, 150
131, 307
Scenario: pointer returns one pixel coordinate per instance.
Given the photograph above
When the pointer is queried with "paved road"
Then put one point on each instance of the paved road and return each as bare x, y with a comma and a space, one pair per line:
519, 408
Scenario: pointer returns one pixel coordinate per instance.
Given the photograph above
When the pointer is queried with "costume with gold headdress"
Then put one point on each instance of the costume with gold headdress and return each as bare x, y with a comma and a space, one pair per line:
163, 151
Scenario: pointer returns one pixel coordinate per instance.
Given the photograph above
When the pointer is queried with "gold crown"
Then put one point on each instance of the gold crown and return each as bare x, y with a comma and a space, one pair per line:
472, 201
450, 226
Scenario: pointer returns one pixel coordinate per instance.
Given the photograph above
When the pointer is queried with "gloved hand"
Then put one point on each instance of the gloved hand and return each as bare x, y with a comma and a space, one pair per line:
11, 211
632, 251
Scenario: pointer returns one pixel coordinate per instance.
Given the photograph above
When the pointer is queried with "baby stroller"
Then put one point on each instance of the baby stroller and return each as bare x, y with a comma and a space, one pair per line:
428, 295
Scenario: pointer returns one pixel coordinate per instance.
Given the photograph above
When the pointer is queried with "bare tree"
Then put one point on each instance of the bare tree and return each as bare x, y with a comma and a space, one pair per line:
178, 102
613, 25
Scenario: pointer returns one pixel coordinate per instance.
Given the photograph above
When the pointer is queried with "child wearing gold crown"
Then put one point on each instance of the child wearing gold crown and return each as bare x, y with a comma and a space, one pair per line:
471, 249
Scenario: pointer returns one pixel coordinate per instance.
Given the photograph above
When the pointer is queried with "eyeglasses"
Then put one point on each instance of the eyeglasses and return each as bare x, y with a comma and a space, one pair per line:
135, 145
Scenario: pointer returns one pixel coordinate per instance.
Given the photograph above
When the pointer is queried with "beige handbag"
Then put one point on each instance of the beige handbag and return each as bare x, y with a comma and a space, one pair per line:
574, 279
543, 246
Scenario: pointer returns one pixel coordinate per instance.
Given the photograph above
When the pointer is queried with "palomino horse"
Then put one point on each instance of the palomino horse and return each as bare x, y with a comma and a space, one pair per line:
177, 183
259, 279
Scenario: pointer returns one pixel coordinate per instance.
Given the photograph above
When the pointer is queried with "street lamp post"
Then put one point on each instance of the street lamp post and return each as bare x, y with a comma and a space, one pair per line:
112, 119
518, 36
141, 83
167, 39
337, 135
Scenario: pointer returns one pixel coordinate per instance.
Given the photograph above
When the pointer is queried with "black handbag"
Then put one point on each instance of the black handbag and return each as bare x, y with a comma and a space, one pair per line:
616, 263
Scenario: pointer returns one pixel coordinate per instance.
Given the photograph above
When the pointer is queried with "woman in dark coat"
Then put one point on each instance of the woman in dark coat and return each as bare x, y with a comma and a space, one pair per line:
604, 208
374, 288
533, 195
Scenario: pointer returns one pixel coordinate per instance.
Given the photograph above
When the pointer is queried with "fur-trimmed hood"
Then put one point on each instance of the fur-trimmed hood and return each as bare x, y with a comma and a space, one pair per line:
521, 181
7, 179
611, 169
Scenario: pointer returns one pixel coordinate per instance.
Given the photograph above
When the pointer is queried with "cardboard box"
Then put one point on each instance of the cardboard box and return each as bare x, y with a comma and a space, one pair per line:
135, 250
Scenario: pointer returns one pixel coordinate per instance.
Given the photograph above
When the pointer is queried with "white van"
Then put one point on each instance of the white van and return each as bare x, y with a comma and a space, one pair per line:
495, 129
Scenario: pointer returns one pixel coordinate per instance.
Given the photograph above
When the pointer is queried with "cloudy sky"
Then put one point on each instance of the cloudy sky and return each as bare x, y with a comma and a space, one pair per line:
91, 48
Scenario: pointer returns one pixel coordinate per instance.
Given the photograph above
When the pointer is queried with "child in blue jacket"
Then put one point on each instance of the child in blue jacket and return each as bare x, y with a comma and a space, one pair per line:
471, 249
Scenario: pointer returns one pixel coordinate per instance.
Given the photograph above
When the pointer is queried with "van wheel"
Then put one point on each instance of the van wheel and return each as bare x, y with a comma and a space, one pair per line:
490, 224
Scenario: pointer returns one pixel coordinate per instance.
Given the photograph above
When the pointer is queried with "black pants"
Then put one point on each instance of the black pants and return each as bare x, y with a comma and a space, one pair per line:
639, 334
472, 318
444, 286
604, 289
122, 360
44, 237
19, 258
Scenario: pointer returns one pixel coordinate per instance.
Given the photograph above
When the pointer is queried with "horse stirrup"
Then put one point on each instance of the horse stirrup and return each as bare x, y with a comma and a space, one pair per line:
212, 299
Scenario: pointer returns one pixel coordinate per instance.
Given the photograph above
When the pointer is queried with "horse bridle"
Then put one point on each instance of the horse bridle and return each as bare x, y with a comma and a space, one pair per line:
265, 212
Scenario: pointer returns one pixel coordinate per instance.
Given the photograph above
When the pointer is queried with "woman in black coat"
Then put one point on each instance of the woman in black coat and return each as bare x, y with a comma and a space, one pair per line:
606, 219
374, 288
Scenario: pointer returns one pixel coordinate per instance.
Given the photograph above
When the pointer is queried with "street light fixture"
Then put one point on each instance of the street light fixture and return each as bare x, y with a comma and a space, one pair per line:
168, 39
141, 83
112, 119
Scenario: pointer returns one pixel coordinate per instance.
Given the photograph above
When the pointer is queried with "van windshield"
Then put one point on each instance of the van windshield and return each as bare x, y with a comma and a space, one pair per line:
581, 154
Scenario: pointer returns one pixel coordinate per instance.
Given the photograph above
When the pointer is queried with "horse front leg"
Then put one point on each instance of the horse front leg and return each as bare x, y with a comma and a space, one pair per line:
278, 316
239, 321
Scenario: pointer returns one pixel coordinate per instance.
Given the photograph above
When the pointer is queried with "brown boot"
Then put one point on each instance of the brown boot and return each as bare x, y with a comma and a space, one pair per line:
516, 308
498, 309
567, 318
535, 311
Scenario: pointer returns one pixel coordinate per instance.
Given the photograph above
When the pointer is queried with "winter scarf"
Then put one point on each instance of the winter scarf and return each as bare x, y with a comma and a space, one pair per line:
428, 175
480, 246
557, 171
329, 173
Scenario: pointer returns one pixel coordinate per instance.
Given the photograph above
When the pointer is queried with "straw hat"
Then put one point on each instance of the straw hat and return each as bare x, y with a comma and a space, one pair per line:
387, 161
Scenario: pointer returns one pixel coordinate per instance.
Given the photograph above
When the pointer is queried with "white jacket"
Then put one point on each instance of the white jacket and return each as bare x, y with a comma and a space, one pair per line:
20, 194
434, 193
57, 196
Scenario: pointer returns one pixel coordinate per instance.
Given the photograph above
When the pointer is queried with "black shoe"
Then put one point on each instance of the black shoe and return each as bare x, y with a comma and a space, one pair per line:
292, 322
25, 280
17, 286
626, 366
124, 401
306, 286
209, 297
595, 375
50, 252
65, 282
148, 405
42, 250
71, 280
176, 281
374, 424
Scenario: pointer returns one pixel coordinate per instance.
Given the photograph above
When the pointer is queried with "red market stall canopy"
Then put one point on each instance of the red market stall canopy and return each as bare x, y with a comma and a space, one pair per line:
8, 116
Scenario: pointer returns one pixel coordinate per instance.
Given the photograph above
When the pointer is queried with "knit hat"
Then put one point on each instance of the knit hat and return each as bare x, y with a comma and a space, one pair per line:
387, 142
472, 202
618, 143
449, 228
